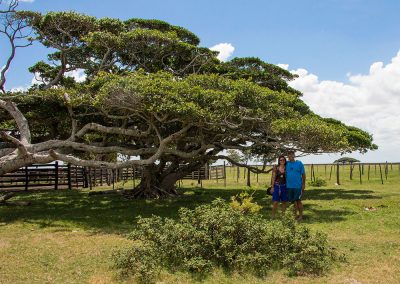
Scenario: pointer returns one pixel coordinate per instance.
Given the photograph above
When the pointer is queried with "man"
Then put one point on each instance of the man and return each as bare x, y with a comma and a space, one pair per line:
295, 183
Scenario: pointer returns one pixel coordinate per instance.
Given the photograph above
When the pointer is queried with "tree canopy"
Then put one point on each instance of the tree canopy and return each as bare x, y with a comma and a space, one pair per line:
152, 92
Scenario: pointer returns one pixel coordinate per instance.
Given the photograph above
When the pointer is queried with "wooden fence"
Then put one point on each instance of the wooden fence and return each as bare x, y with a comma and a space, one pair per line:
56, 176
47, 176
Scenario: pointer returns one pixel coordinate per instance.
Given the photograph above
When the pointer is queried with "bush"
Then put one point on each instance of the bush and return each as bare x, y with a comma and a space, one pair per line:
218, 235
244, 203
318, 182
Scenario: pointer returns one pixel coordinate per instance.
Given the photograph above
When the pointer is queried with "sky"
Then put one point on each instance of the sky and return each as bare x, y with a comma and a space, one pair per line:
346, 52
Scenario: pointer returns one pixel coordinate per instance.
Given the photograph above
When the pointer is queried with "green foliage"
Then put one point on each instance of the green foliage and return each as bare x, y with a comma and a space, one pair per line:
243, 202
140, 260
219, 236
259, 72
316, 134
184, 34
234, 155
318, 182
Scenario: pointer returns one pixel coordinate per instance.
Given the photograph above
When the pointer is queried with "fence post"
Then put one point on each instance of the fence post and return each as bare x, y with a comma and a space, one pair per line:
224, 174
359, 168
386, 170
90, 179
69, 176
26, 179
337, 174
248, 177
113, 178
134, 177
198, 176
85, 177
380, 169
76, 176
351, 171
56, 178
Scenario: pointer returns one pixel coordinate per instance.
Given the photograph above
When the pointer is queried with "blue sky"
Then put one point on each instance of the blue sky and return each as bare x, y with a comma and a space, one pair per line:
332, 44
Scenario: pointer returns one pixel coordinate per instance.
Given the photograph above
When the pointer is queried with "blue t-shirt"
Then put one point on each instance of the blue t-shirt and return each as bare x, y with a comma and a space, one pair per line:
294, 172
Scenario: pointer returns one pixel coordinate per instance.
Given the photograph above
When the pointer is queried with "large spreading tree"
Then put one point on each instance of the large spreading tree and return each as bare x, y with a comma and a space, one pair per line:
153, 95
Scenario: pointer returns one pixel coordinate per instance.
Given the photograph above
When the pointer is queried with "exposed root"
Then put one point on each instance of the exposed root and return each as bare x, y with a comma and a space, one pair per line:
7, 196
153, 192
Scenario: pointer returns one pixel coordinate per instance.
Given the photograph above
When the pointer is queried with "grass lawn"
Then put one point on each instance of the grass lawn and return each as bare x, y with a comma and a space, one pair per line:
68, 236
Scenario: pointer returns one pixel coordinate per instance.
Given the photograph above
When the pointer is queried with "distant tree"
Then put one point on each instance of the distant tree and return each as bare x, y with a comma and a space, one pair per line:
346, 160
234, 156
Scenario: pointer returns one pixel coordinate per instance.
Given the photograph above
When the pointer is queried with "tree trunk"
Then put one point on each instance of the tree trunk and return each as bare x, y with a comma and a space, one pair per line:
248, 178
155, 186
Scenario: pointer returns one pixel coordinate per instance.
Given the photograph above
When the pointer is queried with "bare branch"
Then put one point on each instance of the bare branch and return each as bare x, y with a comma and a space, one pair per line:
21, 147
251, 168
112, 130
59, 144
19, 118
74, 123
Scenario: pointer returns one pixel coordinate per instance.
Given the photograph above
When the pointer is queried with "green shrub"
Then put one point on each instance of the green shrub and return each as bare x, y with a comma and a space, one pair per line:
139, 261
318, 182
217, 235
244, 203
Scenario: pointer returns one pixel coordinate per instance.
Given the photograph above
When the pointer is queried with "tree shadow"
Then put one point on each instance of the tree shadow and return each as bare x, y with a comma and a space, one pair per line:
337, 193
67, 210
317, 214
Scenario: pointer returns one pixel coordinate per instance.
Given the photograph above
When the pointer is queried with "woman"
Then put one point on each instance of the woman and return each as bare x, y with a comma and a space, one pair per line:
278, 185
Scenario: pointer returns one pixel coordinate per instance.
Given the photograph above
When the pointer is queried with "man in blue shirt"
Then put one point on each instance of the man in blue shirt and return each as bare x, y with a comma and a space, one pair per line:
295, 183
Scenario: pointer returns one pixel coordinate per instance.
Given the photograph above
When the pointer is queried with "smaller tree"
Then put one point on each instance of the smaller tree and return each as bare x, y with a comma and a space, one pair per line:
346, 160
234, 156
15, 27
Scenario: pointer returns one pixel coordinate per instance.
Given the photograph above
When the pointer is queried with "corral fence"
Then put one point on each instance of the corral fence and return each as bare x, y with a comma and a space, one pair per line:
44, 176
59, 176
333, 172
354, 171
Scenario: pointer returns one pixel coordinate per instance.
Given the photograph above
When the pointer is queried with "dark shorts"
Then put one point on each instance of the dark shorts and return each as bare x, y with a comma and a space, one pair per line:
280, 193
294, 194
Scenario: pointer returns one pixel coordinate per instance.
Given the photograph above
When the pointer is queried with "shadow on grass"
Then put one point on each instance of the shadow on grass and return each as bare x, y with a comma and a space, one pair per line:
337, 193
68, 210
317, 214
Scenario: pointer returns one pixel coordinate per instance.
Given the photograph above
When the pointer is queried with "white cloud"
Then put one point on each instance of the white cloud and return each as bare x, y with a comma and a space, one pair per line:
19, 89
225, 50
78, 74
369, 101
283, 66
